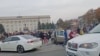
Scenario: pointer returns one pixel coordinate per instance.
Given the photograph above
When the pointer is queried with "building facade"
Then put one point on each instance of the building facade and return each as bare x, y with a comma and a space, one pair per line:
21, 23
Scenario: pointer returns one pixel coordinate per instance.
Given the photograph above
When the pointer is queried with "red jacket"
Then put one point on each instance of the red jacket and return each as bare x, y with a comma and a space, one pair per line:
72, 34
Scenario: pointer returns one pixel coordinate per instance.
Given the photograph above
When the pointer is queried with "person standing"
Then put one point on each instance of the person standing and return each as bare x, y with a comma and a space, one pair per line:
68, 32
73, 33
81, 31
42, 36
45, 38
78, 30
65, 35
49, 35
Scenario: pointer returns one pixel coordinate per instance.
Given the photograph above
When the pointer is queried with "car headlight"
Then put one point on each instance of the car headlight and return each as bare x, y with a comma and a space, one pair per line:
89, 45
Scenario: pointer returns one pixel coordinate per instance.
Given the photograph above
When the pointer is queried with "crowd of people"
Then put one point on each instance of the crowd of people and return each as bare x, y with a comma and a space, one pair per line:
5, 34
44, 35
69, 33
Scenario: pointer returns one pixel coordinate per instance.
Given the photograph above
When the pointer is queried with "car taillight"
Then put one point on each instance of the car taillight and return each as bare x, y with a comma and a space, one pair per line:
30, 41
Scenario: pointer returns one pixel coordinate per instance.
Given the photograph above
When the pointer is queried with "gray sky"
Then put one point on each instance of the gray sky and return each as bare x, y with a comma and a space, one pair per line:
65, 9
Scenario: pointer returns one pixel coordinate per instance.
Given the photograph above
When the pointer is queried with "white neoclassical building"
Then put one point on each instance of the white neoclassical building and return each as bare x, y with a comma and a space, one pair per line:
19, 23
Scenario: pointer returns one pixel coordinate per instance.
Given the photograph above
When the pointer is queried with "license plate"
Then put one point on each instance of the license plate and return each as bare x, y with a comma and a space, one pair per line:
70, 54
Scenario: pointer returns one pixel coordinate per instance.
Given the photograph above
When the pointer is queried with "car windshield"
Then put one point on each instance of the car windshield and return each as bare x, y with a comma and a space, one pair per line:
60, 33
96, 29
28, 36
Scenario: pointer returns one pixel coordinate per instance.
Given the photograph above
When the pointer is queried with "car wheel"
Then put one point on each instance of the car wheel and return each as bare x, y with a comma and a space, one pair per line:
0, 49
20, 49
53, 41
56, 42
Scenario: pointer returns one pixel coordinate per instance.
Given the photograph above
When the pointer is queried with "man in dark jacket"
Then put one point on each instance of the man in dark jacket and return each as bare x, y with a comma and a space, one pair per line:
65, 35
42, 36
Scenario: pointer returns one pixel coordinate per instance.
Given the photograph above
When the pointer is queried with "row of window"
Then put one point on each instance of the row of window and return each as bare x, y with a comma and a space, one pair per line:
22, 21
18, 29
17, 21
19, 25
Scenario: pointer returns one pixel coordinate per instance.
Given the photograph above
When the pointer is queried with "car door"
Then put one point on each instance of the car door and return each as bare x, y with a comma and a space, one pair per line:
13, 43
5, 44
60, 36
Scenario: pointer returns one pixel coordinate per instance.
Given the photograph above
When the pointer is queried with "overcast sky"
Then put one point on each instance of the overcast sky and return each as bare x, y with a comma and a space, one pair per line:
65, 9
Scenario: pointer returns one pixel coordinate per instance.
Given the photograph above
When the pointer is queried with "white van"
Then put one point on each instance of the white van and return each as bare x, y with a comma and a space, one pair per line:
57, 36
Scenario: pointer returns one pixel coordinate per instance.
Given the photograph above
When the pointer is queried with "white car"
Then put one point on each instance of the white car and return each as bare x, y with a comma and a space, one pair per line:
85, 45
20, 43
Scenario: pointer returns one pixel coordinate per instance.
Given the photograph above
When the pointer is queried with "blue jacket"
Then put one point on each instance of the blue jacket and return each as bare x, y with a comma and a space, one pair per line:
65, 34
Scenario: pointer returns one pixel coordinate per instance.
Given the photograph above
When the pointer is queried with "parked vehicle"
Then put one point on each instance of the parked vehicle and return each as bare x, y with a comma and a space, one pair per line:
57, 36
85, 45
20, 43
